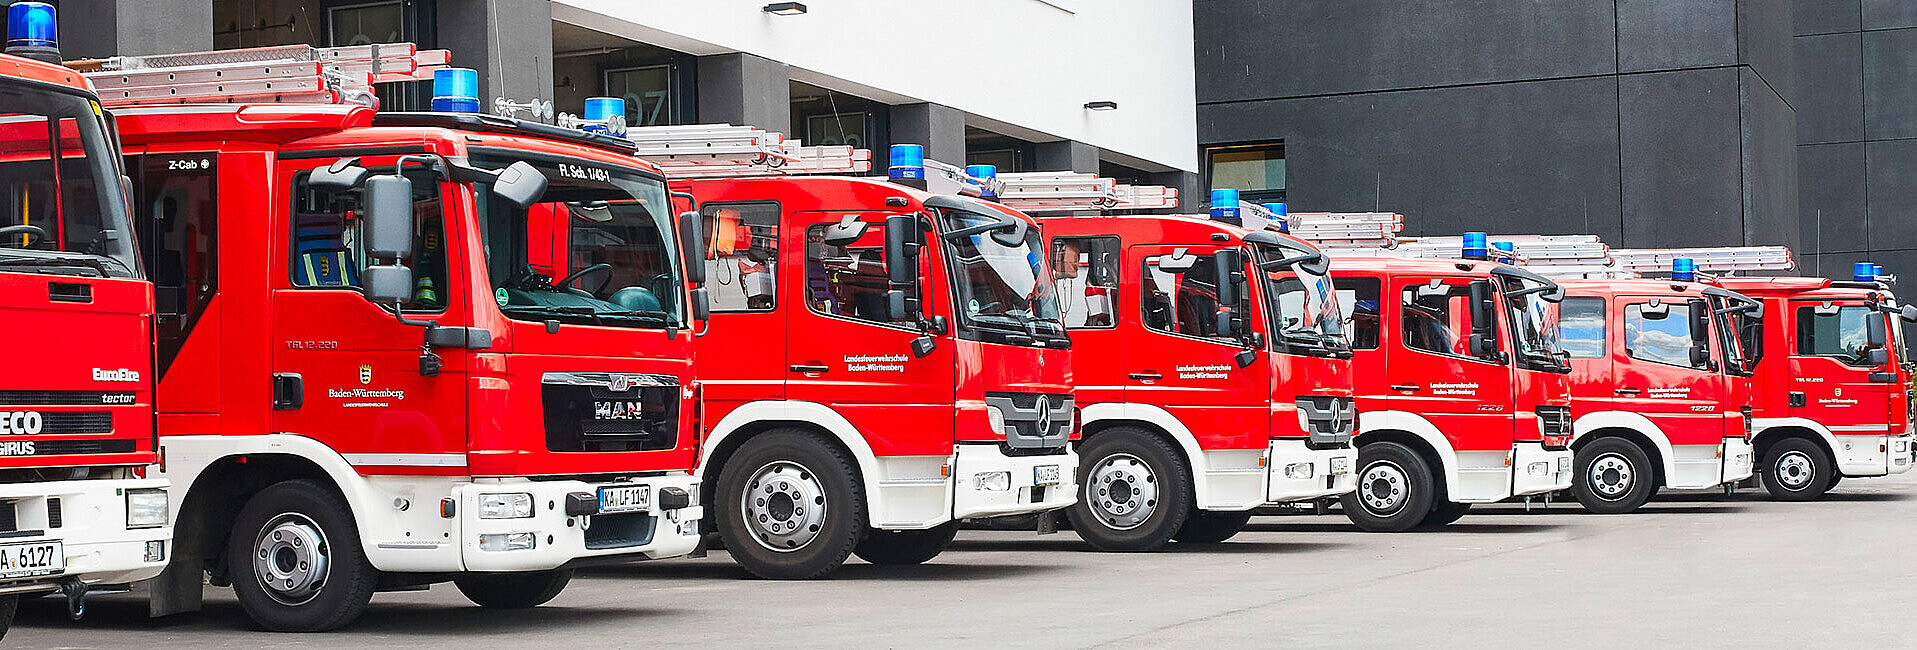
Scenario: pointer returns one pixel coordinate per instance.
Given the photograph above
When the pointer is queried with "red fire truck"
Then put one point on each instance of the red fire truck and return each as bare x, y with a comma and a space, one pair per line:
76, 400
1463, 394
1213, 375
370, 379
884, 361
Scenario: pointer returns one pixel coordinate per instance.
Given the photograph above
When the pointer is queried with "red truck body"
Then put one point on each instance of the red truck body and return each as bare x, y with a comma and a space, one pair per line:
1824, 409
1462, 395
862, 344
546, 422
1188, 426
1661, 388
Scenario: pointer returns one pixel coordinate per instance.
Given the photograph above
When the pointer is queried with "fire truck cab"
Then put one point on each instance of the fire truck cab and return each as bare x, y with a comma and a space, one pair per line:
372, 379
1463, 393
77, 509
1213, 375
1660, 387
1833, 387
883, 363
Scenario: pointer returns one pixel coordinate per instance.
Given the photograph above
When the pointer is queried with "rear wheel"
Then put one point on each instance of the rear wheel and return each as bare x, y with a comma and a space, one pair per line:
900, 547
295, 559
790, 506
1443, 513
1136, 491
1395, 489
1796, 469
1206, 527
513, 590
1613, 476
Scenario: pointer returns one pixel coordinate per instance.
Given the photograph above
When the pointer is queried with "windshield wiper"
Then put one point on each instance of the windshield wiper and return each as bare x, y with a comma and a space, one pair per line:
60, 261
555, 310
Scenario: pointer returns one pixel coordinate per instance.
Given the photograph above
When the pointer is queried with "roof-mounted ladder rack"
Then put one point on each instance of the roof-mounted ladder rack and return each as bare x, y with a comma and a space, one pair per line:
279, 74
708, 149
1050, 192
1347, 233
1715, 259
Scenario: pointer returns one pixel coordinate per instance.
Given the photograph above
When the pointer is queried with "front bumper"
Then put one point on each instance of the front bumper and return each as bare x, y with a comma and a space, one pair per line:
975, 485
1536, 470
1740, 459
1295, 472
1903, 453
98, 546
558, 538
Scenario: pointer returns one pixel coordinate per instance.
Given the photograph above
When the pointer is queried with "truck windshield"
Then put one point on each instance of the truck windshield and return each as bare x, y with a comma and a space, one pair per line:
1004, 293
598, 249
1534, 326
1305, 317
62, 208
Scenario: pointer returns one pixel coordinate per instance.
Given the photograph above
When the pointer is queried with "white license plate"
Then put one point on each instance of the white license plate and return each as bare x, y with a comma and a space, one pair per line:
1044, 475
32, 559
624, 499
1340, 466
1564, 463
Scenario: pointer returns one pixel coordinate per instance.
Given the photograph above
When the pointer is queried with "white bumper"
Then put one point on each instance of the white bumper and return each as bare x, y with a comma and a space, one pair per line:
98, 546
1740, 459
1298, 473
974, 497
1903, 453
1536, 470
559, 539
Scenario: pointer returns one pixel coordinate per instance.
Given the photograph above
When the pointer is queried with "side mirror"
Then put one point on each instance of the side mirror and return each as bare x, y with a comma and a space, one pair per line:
1877, 356
343, 174
1484, 310
844, 233
1228, 265
701, 304
389, 217
1876, 331
387, 284
1012, 236
1484, 345
1908, 313
520, 184
1245, 357
901, 250
692, 246
1700, 355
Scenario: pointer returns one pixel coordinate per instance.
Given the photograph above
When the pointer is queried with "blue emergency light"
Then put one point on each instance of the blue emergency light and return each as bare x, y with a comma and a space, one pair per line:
983, 173
31, 24
456, 90
908, 162
1684, 269
1863, 272
1279, 210
1506, 251
599, 110
1474, 247
1877, 270
1224, 204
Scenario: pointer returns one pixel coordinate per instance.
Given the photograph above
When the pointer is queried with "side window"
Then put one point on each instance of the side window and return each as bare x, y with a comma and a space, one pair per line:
1359, 298
1437, 318
177, 215
1086, 272
1181, 296
742, 255
848, 279
1581, 327
1664, 334
1839, 332
328, 253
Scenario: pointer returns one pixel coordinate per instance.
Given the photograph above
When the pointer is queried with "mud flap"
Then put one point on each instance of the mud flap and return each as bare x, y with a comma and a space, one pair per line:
1048, 522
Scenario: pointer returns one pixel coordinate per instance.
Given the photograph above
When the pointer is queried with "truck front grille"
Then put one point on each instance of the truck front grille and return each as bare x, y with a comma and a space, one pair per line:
1035, 423
1330, 420
599, 411
1556, 421
620, 530
64, 397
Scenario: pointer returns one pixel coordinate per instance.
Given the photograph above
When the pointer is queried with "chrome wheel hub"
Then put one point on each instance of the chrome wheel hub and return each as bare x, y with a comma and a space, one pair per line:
1383, 488
1795, 469
1611, 476
290, 558
784, 506
1123, 491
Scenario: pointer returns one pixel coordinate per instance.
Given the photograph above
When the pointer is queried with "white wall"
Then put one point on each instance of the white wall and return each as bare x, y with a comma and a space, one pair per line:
1021, 63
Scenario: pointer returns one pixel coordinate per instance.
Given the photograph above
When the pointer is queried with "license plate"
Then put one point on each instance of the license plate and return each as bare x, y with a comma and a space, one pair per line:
1045, 475
1340, 466
1564, 463
624, 499
32, 559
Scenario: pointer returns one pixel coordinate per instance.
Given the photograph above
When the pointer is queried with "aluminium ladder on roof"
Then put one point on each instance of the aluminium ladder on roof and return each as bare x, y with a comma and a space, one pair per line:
279, 74
1346, 232
1713, 259
684, 150
1066, 191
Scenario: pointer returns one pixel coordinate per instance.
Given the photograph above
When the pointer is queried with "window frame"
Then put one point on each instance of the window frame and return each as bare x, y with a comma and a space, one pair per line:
1689, 304
1118, 278
921, 286
1413, 284
1604, 325
1797, 333
292, 238
778, 239
1356, 284
1145, 264
1261, 195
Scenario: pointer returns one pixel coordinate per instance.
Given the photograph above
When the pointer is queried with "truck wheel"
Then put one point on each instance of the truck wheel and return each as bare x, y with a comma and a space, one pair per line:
902, 547
790, 506
1205, 527
8, 605
1395, 489
518, 590
295, 559
1795, 469
1137, 491
1443, 513
1613, 476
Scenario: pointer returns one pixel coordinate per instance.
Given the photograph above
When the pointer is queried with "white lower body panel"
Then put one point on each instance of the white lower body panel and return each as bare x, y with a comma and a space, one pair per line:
559, 539
1740, 460
1298, 473
97, 545
1536, 470
1024, 493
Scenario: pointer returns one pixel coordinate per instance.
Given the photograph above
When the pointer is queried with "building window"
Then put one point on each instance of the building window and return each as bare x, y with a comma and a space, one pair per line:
378, 22
1257, 171
647, 91
836, 129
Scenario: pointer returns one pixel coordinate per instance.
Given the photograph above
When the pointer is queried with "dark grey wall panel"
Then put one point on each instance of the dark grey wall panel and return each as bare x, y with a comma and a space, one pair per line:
1830, 89
1662, 35
508, 41
1530, 157
1769, 153
1680, 158
1764, 42
1889, 14
1830, 207
1893, 193
1890, 84
1825, 16
1255, 49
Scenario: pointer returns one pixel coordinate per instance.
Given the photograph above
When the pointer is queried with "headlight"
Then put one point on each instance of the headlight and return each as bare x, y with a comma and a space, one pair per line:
507, 542
514, 505
996, 418
1300, 470
145, 508
992, 481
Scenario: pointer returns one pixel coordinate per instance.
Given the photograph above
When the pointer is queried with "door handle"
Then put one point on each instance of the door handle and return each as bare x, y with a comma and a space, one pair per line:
809, 367
1405, 387
1627, 391
1146, 376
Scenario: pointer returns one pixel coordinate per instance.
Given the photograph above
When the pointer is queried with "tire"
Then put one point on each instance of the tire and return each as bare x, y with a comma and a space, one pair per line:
1152, 478
519, 590
1835, 478
803, 486
1443, 513
906, 547
1395, 489
1204, 527
1612, 476
1796, 469
8, 606
301, 533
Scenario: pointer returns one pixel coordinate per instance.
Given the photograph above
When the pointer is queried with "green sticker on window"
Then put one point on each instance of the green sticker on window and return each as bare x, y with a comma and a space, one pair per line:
500, 296
973, 305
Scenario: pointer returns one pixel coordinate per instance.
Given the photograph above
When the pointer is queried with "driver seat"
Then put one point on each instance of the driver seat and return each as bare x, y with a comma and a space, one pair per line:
637, 299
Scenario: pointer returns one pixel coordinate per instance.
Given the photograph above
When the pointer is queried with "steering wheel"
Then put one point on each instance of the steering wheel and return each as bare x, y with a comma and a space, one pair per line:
35, 232
568, 280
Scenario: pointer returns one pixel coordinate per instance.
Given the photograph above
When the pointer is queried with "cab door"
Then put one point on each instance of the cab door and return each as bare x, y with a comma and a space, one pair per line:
743, 355
1434, 372
848, 351
1185, 354
345, 371
1086, 271
1584, 327
1835, 383
1666, 371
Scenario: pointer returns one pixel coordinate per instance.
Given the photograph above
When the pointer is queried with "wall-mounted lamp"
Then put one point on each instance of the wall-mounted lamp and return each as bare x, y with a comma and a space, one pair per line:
1101, 106
785, 8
